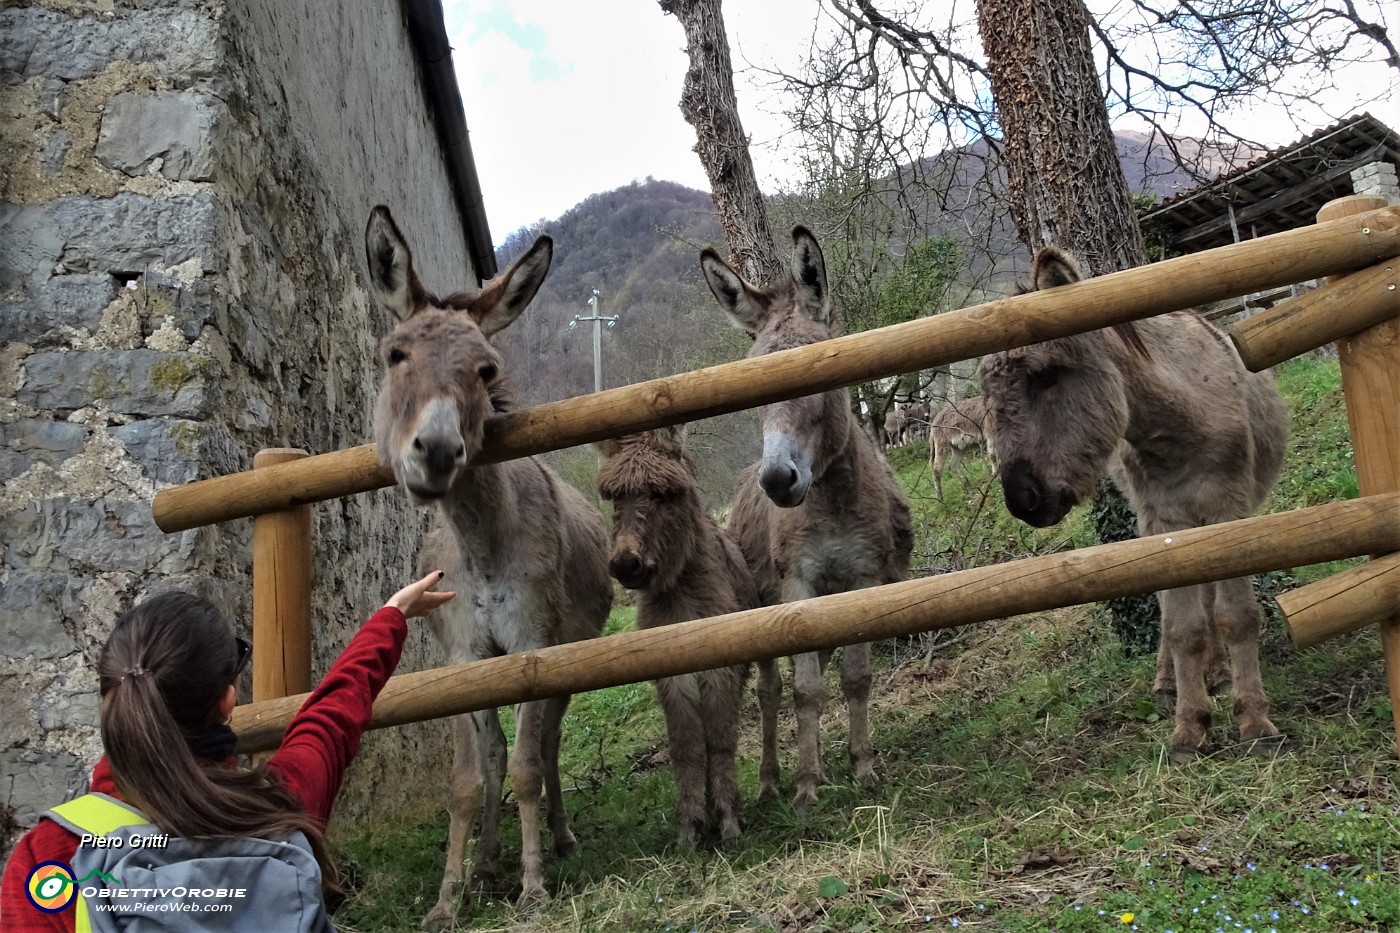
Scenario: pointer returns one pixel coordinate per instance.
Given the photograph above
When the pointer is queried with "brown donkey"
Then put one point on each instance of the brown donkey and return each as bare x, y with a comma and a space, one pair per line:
683, 566
1191, 437
525, 550
955, 428
819, 514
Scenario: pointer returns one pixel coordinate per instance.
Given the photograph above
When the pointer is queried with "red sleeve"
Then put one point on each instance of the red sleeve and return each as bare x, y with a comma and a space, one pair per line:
46, 842
325, 734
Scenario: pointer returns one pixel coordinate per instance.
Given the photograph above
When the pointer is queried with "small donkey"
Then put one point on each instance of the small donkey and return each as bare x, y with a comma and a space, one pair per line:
683, 566
1188, 434
955, 428
524, 549
821, 513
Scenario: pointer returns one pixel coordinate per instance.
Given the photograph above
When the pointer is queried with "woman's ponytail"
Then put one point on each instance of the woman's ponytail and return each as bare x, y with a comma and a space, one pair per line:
162, 672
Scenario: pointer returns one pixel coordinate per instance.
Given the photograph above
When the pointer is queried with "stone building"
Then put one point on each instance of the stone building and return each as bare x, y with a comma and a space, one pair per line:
185, 185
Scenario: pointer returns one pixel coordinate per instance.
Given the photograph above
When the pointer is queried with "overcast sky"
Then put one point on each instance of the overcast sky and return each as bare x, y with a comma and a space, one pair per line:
565, 98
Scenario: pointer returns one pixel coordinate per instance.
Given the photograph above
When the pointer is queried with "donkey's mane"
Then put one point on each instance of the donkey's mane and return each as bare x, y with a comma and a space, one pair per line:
636, 466
1126, 331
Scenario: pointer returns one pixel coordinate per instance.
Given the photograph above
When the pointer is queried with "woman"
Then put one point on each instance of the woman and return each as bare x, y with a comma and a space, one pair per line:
168, 677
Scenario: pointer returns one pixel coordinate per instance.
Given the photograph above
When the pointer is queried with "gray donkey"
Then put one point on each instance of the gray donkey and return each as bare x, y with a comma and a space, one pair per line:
1191, 437
821, 513
683, 566
524, 549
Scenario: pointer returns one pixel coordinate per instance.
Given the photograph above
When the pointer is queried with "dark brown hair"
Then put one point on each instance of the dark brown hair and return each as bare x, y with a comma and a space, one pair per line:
162, 672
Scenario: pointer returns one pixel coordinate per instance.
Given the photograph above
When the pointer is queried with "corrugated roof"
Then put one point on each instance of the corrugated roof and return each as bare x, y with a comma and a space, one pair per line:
1280, 190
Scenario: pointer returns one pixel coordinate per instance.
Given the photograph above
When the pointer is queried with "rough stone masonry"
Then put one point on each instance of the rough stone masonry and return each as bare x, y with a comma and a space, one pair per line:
181, 208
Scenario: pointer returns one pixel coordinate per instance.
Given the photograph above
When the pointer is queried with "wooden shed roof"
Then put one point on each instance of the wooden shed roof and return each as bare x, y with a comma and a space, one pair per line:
1281, 190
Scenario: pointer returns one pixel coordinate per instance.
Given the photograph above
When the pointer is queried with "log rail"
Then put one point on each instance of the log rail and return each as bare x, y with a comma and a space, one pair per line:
1355, 244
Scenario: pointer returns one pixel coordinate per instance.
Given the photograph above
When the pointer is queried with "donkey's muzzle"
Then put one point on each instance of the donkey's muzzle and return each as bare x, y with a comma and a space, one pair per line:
1028, 499
432, 464
628, 568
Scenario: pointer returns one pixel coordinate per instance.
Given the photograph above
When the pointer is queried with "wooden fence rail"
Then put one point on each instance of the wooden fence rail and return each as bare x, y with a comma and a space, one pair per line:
1343, 245
1215, 552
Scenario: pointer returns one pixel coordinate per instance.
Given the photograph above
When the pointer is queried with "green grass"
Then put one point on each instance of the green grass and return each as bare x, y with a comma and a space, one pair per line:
1024, 782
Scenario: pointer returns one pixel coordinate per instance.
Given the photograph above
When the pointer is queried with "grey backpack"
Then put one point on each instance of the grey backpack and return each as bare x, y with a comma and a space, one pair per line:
130, 877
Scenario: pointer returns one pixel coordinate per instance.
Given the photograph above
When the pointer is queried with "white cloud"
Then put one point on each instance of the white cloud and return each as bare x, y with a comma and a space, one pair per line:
566, 98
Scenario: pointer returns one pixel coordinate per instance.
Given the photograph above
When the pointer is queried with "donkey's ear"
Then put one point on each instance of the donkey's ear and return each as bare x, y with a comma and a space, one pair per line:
391, 275
745, 305
1053, 267
671, 437
510, 293
809, 274
607, 446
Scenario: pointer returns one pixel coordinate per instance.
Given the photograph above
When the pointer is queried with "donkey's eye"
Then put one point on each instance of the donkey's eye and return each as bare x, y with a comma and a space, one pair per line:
488, 372
397, 356
1045, 379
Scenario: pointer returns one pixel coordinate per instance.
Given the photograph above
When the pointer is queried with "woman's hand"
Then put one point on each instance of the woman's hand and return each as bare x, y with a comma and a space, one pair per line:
416, 599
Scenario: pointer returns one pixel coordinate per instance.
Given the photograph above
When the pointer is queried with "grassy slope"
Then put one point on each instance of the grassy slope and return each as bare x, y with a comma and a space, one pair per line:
1024, 782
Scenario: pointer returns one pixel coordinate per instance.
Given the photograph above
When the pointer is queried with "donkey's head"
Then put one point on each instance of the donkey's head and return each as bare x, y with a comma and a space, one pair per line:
1056, 410
442, 376
650, 481
803, 436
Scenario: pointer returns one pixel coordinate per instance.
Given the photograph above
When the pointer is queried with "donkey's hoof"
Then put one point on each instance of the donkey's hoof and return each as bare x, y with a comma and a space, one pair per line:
532, 898
439, 918
1165, 700
1264, 746
804, 801
866, 775
483, 879
565, 845
768, 792
1183, 754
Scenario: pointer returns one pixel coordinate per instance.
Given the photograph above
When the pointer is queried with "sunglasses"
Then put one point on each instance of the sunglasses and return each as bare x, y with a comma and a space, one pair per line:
245, 652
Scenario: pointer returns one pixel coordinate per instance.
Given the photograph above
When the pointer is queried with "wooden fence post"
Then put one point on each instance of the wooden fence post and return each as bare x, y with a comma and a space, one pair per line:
281, 593
1370, 362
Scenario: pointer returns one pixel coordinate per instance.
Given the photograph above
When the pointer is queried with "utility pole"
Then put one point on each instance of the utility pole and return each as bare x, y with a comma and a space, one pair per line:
596, 303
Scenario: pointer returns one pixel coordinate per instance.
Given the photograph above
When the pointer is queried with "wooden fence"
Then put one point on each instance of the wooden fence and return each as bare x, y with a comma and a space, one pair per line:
1355, 244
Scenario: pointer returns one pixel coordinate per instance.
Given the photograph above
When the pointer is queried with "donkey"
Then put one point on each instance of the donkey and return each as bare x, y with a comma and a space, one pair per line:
956, 427
1188, 434
896, 420
917, 426
525, 548
683, 566
819, 514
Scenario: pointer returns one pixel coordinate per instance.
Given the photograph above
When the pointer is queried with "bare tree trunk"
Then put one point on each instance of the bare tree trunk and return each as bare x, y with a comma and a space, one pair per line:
1065, 183
709, 105
1067, 189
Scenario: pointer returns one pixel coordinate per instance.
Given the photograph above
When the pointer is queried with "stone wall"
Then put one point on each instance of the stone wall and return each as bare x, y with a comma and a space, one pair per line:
181, 224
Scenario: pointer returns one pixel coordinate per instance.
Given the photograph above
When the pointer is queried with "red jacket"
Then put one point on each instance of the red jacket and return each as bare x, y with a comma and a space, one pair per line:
319, 745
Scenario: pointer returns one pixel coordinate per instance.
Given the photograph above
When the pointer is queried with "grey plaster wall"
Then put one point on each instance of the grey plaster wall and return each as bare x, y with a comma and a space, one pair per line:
180, 266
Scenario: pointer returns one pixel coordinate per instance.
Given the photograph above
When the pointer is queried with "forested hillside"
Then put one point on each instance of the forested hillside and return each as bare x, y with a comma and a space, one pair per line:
639, 246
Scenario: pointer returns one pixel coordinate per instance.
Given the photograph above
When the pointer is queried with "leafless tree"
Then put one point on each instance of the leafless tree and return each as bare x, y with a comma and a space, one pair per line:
708, 104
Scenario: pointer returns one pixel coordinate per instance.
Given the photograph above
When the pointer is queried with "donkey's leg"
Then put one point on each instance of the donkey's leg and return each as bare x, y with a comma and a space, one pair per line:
855, 686
564, 842
940, 455
770, 695
527, 781
464, 799
720, 695
1237, 615
1186, 629
685, 737
809, 692
1164, 687
492, 741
